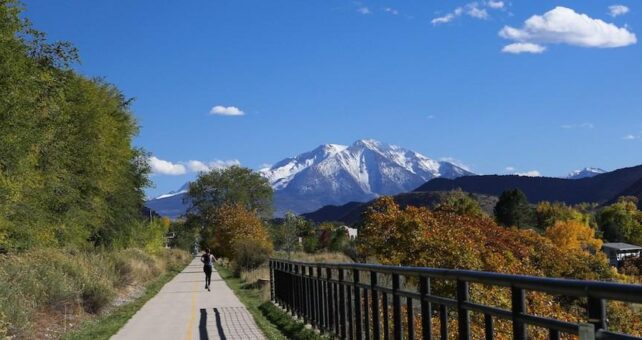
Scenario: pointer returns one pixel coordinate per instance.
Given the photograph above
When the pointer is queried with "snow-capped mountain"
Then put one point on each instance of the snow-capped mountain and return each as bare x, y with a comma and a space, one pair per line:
584, 173
173, 204
182, 190
337, 174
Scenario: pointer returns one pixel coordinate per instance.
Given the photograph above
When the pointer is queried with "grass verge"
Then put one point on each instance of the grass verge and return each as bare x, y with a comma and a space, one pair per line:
252, 299
106, 326
291, 328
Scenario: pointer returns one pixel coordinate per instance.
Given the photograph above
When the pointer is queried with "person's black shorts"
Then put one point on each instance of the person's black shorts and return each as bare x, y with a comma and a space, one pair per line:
207, 269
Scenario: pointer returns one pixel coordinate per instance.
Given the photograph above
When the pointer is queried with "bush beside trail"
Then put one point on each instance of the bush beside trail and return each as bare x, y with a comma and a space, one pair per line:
47, 283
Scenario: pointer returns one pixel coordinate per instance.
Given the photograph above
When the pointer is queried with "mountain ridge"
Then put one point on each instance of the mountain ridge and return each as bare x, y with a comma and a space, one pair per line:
337, 174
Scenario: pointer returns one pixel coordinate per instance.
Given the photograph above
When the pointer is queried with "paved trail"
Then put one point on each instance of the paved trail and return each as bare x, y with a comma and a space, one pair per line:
183, 309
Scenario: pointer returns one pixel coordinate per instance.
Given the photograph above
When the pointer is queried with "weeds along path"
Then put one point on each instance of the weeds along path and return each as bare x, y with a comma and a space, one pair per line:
183, 309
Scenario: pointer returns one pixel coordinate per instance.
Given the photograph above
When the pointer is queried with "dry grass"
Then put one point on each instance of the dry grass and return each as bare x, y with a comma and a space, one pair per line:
329, 257
56, 282
258, 278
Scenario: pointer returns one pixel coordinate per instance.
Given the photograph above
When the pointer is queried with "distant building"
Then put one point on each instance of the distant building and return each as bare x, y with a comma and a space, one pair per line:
352, 232
618, 252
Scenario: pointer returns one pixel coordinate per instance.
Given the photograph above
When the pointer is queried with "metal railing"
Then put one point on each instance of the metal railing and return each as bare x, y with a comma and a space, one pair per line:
352, 301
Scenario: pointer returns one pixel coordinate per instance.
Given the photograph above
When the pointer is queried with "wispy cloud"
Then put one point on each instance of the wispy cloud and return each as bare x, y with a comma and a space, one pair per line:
448, 17
391, 11
585, 125
226, 111
364, 10
163, 167
563, 25
633, 136
475, 9
496, 4
617, 10
510, 169
200, 166
517, 48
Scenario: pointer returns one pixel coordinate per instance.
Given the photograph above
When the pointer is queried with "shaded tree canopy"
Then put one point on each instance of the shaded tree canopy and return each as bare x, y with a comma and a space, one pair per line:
513, 210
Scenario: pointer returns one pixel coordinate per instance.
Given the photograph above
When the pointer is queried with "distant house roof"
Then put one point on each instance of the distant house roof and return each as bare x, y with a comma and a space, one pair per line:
621, 246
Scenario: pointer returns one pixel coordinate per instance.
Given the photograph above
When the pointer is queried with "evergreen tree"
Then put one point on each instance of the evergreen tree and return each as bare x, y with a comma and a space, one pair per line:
513, 209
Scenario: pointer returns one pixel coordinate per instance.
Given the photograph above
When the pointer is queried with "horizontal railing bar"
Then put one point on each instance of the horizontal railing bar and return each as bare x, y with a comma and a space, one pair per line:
605, 335
440, 300
494, 311
568, 287
548, 323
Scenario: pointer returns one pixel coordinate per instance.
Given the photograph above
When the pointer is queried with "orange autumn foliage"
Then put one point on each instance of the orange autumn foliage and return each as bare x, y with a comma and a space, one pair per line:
233, 223
573, 235
441, 239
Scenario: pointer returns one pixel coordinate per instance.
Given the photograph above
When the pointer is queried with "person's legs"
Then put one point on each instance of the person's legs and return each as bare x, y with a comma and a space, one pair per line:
208, 276
205, 270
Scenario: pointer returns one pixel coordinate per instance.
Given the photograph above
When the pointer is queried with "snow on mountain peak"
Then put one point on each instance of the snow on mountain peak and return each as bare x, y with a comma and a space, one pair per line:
334, 173
584, 173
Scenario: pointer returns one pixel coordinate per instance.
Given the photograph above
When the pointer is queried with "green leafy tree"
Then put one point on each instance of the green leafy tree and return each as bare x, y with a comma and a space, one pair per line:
547, 214
513, 209
621, 221
233, 185
286, 235
462, 203
68, 170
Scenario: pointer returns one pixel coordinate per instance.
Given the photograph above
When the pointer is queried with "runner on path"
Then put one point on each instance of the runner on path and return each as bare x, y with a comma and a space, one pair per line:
208, 261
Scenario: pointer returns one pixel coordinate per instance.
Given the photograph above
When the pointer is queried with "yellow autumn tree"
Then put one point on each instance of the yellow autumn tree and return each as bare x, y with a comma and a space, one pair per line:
573, 235
233, 224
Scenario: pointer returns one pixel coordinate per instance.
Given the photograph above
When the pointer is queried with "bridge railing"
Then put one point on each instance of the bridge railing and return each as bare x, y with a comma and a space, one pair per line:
365, 301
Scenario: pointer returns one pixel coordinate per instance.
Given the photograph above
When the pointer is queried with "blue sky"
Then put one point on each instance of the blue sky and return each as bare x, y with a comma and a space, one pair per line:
433, 76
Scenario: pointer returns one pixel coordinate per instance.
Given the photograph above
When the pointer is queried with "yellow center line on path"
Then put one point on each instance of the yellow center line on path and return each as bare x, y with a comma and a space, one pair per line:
190, 325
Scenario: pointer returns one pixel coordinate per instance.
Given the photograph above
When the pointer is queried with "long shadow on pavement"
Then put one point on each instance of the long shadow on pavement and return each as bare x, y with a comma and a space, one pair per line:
219, 326
202, 325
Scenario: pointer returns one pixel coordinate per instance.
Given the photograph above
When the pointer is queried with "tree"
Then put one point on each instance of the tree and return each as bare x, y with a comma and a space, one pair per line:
68, 170
231, 223
546, 214
462, 203
574, 235
621, 221
286, 235
513, 209
233, 185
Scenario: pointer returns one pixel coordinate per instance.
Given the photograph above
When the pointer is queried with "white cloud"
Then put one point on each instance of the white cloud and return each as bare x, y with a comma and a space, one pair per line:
532, 173
630, 137
448, 17
517, 48
585, 125
474, 11
430, 117
510, 168
617, 10
563, 25
495, 4
199, 166
391, 11
226, 111
163, 167
364, 10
